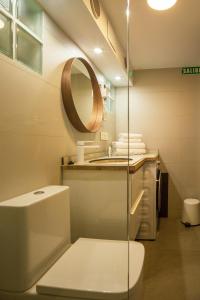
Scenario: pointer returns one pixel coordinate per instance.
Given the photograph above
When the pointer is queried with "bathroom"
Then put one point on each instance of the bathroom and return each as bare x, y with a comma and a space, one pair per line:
144, 64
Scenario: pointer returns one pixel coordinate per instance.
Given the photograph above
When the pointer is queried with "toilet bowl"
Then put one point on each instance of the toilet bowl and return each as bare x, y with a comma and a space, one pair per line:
88, 269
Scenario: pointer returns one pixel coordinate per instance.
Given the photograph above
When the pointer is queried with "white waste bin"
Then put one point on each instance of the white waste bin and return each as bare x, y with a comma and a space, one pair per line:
191, 212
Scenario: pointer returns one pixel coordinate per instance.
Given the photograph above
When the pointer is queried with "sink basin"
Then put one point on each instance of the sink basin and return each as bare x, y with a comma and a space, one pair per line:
110, 160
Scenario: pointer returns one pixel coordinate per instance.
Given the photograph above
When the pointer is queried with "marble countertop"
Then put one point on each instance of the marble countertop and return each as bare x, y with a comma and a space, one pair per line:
136, 161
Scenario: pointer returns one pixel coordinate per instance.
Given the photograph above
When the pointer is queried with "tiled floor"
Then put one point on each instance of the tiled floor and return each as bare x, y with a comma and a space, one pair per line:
172, 263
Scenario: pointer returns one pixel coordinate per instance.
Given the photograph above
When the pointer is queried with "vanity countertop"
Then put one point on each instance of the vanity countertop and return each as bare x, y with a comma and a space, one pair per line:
136, 162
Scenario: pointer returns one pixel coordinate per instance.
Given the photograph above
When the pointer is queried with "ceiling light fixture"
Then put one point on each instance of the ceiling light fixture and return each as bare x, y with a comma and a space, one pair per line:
98, 50
2, 24
161, 4
118, 78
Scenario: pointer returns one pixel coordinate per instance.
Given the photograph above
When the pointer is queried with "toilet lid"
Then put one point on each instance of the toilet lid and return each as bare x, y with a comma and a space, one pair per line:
94, 269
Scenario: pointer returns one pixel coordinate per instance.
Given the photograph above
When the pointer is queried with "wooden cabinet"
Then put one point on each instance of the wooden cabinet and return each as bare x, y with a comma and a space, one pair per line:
98, 203
99, 206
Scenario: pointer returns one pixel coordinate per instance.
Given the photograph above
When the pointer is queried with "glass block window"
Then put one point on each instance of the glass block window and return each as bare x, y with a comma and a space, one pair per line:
6, 36
21, 24
6, 4
28, 50
30, 14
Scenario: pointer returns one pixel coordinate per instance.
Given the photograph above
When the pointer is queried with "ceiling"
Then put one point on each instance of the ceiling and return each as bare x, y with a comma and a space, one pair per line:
158, 39
74, 19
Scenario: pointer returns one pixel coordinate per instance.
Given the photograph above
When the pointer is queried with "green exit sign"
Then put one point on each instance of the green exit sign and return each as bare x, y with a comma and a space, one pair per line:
191, 70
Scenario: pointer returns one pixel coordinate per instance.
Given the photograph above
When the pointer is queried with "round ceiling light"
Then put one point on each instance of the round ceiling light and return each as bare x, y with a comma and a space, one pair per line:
98, 50
161, 4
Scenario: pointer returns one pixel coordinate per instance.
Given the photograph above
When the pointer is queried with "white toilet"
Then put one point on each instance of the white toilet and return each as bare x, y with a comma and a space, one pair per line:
38, 262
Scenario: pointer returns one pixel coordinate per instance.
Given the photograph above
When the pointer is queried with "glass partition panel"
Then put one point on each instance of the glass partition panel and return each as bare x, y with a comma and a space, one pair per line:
6, 4
28, 50
137, 188
100, 183
5, 35
31, 15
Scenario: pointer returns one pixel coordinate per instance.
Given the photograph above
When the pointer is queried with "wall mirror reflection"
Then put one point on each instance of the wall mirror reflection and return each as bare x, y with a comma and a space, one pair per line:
82, 91
81, 95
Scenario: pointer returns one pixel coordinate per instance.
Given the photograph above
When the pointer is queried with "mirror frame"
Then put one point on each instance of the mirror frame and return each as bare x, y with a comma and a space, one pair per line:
96, 117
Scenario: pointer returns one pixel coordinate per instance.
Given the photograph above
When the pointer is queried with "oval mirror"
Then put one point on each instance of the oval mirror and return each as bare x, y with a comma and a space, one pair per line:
81, 95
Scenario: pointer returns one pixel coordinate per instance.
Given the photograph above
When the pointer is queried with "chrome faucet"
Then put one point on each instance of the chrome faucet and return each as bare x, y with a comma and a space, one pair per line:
80, 150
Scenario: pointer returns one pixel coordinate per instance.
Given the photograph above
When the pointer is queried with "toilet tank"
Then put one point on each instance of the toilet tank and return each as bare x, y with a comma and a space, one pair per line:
34, 232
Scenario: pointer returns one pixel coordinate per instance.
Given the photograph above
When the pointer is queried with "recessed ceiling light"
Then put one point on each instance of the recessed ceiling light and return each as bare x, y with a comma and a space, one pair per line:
118, 78
98, 50
161, 4
2, 24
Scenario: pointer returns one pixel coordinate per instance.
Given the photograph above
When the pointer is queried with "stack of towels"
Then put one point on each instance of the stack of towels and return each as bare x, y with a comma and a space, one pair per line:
136, 146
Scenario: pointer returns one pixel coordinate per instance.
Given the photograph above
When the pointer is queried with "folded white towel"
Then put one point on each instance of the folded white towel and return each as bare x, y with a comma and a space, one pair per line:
125, 140
131, 151
124, 145
130, 135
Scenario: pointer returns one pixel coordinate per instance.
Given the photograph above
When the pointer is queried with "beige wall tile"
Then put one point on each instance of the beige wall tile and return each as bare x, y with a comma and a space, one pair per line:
34, 129
165, 107
29, 162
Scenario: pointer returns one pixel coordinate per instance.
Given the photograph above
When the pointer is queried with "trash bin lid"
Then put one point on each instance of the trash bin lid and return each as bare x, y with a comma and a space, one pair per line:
191, 201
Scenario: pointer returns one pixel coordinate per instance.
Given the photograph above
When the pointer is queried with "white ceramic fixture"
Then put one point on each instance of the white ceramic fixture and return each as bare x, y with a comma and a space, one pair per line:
34, 232
32, 238
161, 4
96, 269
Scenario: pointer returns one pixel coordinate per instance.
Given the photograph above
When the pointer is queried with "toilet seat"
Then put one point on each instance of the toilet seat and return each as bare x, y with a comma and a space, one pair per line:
94, 269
